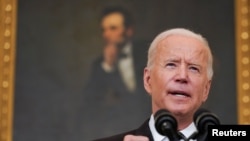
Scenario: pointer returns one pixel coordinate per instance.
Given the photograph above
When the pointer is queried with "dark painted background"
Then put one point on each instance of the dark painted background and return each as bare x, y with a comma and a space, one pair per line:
58, 39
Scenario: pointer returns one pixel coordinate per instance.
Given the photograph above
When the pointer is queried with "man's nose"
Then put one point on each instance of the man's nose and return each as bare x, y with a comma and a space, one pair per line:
182, 75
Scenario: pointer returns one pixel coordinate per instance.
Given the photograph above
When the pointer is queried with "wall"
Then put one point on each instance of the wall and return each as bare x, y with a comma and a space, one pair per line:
57, 41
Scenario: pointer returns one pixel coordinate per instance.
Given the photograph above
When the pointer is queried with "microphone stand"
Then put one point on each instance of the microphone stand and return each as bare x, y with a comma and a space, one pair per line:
168, 131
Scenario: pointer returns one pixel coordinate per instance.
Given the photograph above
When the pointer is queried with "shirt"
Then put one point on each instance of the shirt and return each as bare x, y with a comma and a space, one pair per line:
125, 67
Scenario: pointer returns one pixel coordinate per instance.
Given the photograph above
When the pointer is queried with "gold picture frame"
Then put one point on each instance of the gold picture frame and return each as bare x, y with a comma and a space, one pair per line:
242, 28
8, 20
8, 16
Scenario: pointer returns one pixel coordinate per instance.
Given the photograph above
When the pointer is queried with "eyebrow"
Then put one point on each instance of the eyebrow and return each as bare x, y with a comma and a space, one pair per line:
193, 64
175, 60
172, 60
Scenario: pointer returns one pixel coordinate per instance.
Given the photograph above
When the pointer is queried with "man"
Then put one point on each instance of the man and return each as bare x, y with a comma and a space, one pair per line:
124, 63
178, 78
116, 76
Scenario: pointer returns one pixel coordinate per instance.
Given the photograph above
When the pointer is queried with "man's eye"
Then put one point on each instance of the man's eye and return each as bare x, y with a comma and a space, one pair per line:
170, 65
195, 69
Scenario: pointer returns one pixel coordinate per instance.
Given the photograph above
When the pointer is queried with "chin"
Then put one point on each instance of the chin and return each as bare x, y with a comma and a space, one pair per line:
179, 111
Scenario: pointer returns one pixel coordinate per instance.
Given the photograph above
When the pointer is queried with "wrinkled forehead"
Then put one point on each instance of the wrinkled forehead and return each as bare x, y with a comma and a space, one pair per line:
183, 45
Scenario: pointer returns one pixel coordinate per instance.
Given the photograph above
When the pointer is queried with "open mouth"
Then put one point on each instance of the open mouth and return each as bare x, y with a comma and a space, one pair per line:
179, 93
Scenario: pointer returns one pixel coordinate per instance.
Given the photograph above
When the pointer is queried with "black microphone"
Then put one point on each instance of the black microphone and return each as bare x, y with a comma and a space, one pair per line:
202, 119
166, 124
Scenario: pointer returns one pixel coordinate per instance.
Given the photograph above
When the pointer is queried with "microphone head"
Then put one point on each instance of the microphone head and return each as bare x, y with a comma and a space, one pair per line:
165, 123
203, 118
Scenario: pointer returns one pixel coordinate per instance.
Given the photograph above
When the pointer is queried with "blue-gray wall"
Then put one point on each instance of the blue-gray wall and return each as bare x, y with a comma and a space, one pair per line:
58, 39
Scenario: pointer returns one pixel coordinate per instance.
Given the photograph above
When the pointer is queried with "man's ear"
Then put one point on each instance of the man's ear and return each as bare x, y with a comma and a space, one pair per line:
207, 90
147, 80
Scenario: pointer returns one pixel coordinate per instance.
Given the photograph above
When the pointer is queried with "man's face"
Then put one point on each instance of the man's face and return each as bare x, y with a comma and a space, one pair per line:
178, 78
113, 29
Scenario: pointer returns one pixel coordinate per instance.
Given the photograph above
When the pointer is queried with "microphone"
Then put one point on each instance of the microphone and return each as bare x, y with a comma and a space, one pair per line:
166, 124
202, 119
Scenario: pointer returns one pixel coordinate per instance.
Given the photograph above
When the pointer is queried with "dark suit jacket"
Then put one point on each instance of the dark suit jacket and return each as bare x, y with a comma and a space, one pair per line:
143, 130
107, 91
101, 81
106, 102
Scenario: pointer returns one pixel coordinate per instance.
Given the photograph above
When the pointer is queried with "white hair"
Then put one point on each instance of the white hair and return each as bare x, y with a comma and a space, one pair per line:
181, 32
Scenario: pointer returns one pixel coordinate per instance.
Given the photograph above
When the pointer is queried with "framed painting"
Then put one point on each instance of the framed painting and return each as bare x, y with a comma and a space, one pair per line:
48, 48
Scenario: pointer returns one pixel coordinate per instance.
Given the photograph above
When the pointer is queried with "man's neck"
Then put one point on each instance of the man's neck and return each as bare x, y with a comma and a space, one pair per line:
187, 131
183, 122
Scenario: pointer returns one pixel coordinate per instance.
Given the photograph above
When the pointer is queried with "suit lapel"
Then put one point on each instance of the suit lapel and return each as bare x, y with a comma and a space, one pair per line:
144, 130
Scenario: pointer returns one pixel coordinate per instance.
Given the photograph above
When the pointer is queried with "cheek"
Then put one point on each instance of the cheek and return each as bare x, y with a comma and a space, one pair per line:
206, 91
200, 90
116, 36
159, 83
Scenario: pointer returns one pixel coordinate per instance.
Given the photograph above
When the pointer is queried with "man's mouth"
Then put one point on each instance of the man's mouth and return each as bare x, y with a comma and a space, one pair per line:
179, 93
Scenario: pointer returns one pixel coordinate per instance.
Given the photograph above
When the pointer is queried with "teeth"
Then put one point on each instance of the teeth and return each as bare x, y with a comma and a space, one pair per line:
180, 95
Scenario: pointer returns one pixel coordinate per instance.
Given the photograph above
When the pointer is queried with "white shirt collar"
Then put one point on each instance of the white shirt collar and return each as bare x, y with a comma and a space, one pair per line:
127, 49
158, 137
155, 134
188, 131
